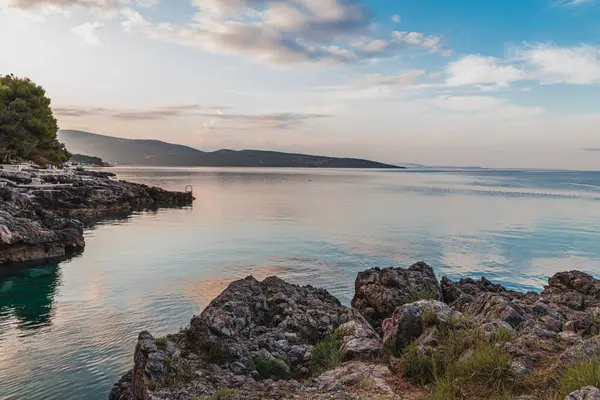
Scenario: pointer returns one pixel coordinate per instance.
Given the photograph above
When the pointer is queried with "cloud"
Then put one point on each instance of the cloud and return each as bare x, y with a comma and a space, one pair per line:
284, 32
574, 3
139, 114
396, 18
104, 5
544, 63
480, 70
551, 64
276, 120
488, 106
88, 33
398, 81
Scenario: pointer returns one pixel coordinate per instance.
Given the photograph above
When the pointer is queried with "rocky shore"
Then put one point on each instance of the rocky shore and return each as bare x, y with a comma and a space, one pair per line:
42, 213
406, 336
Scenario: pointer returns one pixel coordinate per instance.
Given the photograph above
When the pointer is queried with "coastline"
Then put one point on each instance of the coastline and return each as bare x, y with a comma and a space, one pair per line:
272, 340
42, 214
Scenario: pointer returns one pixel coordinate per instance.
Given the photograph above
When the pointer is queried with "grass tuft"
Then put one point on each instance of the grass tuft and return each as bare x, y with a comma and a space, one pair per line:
576, 376
272, 368
417, 365
488, 366
429, 317
161, 341
504, 335
418, 295
327, 354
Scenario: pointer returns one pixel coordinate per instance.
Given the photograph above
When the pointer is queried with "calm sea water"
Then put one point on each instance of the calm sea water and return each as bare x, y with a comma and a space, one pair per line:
67, 330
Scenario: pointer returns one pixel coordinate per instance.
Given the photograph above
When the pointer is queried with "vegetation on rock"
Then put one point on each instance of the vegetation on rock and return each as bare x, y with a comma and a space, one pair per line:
27, 126
272, 368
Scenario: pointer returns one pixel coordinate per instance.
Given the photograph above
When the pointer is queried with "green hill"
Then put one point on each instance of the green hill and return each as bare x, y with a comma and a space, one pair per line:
121, 151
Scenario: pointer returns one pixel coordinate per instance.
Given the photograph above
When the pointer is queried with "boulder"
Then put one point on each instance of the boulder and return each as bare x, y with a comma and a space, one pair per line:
411, 320
587, 393
574, 289
379, 292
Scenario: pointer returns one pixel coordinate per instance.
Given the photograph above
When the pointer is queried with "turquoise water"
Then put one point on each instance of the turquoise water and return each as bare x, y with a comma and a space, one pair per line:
67, 330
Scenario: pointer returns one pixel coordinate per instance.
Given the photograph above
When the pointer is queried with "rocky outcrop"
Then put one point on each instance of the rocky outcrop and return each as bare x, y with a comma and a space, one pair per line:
254, 331
263, 340
40, 222
378, 292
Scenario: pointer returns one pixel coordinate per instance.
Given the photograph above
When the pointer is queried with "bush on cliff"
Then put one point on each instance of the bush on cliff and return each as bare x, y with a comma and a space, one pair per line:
327, 354
27, 126
272, 368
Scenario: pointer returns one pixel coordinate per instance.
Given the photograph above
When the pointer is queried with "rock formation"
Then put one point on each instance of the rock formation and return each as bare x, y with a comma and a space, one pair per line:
39, 222
472, 340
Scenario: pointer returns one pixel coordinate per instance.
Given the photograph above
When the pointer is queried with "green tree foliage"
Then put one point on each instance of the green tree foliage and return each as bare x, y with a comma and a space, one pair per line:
27, 127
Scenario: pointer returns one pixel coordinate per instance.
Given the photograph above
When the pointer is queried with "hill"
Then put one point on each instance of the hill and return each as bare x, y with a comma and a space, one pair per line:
88, 160
161, 154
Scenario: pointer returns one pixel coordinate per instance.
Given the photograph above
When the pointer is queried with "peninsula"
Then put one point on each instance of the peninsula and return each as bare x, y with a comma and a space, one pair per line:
156, 153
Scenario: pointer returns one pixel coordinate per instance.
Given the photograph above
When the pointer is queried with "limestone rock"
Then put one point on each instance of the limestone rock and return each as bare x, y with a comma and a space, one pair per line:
587, 393
378, 292
410, 321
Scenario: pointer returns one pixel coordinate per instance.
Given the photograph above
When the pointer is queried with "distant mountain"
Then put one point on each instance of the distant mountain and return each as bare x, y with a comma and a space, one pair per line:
161, 154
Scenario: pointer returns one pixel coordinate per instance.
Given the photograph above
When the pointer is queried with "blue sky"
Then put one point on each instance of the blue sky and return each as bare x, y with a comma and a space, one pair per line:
491, 83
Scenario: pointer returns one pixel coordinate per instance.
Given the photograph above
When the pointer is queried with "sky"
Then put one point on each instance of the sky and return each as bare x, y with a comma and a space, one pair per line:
495, 83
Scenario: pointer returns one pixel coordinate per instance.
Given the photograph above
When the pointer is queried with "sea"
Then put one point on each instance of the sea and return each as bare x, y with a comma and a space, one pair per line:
68, 329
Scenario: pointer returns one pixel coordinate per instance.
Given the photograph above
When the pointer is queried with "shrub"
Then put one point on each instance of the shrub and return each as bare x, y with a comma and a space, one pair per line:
576, 376
272, 368
327, 354
161, 341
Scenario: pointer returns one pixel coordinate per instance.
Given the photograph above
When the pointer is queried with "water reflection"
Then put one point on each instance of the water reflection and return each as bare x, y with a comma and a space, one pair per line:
308, 227
27, 295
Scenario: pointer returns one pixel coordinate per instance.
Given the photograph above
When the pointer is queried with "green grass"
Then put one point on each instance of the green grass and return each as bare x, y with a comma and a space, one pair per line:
221, 394
161, 341
444, 389
504, 335
577, 376
488, 366
418, 295
272, 368
429, 317
418, 367
485, 373
327, 354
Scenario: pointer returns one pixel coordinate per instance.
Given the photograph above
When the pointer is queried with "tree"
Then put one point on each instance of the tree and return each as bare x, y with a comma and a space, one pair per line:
27, 126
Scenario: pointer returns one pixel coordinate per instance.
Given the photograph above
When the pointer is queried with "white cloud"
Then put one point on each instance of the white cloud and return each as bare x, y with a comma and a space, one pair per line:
396, 18
432, 42
88, 33
480, 70
571, 65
